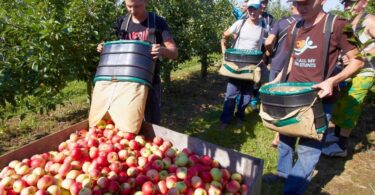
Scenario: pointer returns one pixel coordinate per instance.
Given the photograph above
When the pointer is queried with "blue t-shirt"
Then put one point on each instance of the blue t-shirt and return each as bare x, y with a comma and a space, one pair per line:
279, 29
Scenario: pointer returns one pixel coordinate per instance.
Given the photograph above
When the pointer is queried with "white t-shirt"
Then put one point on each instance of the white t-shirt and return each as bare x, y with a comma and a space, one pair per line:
251, 36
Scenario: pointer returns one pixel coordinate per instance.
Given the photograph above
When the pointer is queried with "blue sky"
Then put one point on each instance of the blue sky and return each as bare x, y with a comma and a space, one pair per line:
330, 4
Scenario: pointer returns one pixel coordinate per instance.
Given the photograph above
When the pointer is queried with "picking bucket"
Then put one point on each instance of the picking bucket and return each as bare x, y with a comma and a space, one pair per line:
278, 100
242, 64
126, 60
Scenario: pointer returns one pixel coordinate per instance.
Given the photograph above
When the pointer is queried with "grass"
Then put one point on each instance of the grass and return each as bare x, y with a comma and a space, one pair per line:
193, 106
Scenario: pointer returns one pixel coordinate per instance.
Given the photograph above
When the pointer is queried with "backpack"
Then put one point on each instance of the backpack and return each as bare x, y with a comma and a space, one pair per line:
151, 25
281, 36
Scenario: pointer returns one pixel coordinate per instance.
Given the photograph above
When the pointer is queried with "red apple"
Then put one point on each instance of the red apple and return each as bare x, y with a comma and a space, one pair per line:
85, 191
44, 182
66, 183
157, 165
196, 182
103, 182
75, 188
171, 181
113, 187
141, 179
54, 190
153, 175
112, 157
19, 185
32, 179
158, 140
233, 186
131, 161
148, 188
28, 190
206, 160
123, 155
181, 173
162, 187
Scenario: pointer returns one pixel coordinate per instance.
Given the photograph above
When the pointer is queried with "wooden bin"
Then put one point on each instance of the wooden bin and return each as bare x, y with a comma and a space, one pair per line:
250, 167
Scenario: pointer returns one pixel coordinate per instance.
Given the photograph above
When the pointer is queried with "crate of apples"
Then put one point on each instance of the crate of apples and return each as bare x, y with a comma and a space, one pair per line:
104, 160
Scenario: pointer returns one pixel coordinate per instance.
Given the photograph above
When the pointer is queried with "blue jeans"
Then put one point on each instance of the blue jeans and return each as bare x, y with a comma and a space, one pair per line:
236, 87
298, 173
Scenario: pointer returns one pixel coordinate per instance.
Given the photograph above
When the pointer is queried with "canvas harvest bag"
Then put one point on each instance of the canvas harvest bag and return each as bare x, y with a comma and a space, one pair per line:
246, 72
299, 123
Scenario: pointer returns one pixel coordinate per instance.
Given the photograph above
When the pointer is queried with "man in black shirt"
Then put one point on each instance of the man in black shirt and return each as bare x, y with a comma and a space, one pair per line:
141, 25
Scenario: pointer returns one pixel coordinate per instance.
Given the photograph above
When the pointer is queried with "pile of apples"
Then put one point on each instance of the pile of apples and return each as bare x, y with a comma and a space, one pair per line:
104, 160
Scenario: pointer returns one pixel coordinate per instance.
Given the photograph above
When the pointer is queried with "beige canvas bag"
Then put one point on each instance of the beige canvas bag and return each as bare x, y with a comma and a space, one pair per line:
246, 72
123, 102
299, 123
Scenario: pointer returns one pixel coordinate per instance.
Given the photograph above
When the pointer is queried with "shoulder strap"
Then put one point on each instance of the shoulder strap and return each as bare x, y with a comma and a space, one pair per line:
151, 27
360, 23
328, 29
125, 23
238, 34
295, 30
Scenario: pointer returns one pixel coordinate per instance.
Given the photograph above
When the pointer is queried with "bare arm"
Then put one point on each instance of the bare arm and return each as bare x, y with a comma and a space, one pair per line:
169, 50
268, 44
224, 39
355, 63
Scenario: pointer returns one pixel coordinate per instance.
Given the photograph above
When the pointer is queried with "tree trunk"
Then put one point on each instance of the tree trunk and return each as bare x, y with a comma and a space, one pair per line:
204, 65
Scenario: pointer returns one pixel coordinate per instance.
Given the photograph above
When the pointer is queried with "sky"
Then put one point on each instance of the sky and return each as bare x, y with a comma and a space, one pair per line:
330, 4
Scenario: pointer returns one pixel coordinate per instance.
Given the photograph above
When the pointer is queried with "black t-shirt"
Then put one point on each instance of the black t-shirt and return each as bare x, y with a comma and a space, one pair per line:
140, 31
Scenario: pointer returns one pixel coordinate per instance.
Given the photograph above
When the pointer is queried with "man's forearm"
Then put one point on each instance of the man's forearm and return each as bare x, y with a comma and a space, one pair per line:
169, 53
354, 66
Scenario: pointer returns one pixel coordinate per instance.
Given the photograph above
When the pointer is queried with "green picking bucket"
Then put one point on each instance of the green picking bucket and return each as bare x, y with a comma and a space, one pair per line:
282, 98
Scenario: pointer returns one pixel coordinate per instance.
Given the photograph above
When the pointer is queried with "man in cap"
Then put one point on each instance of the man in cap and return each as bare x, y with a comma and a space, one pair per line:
306, 65
353, 95
249, 35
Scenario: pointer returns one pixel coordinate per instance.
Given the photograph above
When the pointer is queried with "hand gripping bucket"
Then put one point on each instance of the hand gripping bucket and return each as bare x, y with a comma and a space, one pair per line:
242, 64
293, 109
124, 75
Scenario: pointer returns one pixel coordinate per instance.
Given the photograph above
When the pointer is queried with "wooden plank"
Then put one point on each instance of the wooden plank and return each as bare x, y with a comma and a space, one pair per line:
251, 168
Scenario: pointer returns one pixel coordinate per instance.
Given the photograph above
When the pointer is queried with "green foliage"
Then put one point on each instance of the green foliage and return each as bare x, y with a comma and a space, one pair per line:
195, 25
45, 44
278, 11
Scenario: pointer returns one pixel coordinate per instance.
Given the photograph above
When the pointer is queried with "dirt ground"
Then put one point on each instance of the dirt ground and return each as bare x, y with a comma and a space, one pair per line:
356, 173
352, 175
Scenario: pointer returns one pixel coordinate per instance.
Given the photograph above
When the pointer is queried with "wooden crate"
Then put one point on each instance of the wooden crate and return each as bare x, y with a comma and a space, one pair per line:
250, 167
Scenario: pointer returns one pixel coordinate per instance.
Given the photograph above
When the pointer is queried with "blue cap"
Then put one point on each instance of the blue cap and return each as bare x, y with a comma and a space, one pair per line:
253, 3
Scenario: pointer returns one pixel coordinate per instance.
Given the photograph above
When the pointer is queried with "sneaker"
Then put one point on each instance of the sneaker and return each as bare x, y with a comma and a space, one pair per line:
331, 138
334, 150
